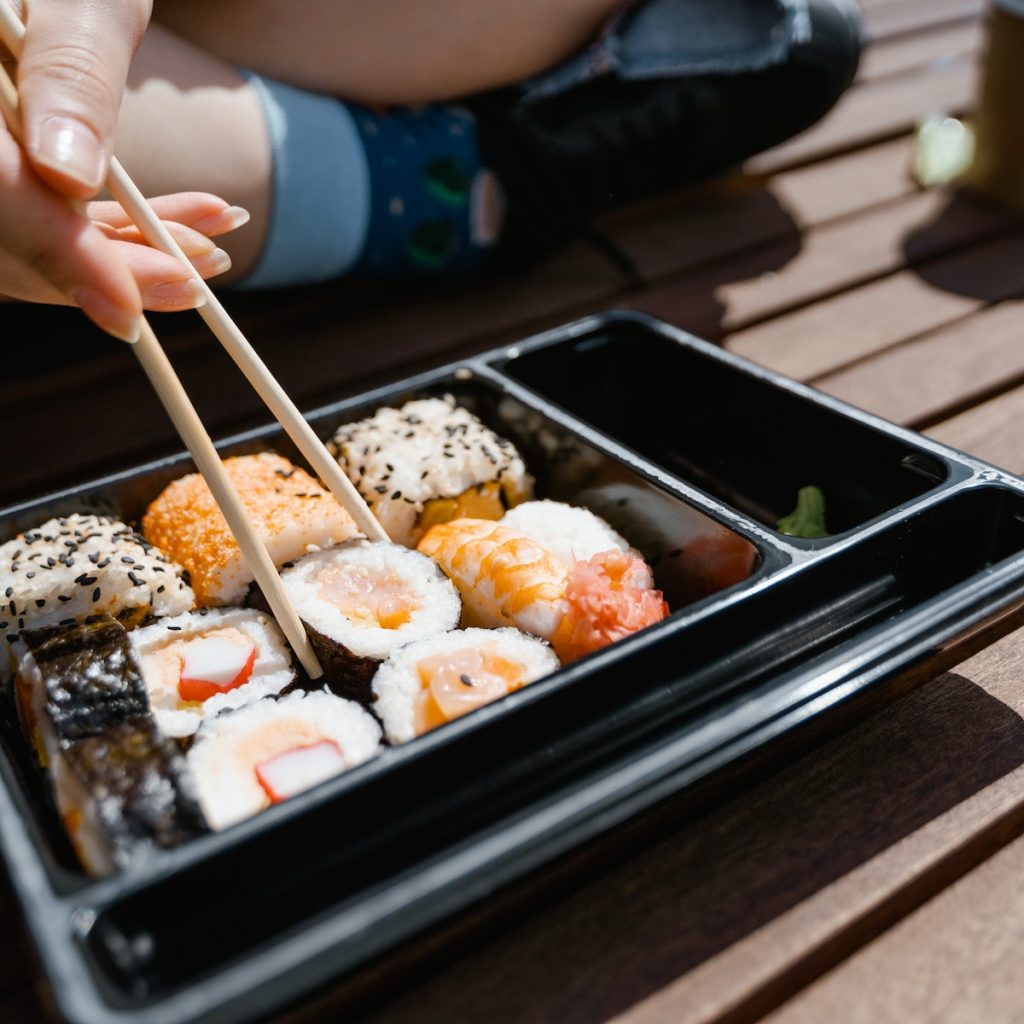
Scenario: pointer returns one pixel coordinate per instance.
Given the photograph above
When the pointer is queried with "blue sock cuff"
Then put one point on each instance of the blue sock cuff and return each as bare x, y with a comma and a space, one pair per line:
320, 212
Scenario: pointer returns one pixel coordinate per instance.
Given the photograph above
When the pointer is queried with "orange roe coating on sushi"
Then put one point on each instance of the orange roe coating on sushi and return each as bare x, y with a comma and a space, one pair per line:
609, 597
185, 522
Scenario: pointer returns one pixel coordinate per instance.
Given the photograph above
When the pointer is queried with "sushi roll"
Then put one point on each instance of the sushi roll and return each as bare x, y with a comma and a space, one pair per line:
430, 682
569, 533
507, 579
124, 793
292, 513
361, 601
202, 663
81, 565
268, 751
76, 681
429, 462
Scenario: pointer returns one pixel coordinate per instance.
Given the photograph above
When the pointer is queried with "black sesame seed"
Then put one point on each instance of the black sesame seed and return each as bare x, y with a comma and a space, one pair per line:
40, 601
96, 595
396, 495
11, 637
9, 592
465, 680
380, 489
137, 580
4, 625
30, 575
174, 629
127, 559
63, 598
160, 589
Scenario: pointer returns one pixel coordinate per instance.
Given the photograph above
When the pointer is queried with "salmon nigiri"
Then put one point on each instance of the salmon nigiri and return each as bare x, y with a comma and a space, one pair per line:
507, 579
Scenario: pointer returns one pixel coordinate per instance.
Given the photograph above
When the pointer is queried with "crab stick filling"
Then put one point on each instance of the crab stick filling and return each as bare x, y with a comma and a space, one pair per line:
292, 771
461, 681
197, 668
375, 600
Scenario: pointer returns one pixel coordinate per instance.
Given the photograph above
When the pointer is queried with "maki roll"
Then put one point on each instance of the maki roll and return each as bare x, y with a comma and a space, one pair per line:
76, 681
361, 601
507, 579
429, 462
291, 512
433, 681
569, 533
266, 752
122, 794
81, 565
201, 663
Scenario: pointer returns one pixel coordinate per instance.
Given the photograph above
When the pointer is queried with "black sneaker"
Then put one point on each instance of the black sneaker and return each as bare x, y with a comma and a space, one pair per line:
610, 140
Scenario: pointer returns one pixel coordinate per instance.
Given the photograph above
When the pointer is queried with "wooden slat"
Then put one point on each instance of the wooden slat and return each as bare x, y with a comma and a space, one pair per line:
958, 959
850, 327
875, 111
837, 256
918, 382
990, 430
906, 16
908, 54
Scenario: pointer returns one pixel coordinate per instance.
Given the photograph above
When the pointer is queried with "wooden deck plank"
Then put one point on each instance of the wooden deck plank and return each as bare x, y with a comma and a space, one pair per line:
908, 54
955, 960
919, 382
830, 259
990, 430
850, 327
877, 110
900, 17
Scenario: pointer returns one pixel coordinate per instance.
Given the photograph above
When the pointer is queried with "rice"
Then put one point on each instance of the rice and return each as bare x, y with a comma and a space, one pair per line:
407, 463
75, 566
570, 533
399, 683
231, 747
291, 512
162, 647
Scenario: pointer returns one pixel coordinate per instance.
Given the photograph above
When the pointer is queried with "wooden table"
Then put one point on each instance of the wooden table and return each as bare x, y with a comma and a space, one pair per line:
879, 878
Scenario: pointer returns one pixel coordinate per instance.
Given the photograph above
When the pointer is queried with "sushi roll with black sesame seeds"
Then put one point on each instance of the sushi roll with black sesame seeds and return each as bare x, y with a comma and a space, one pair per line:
433, 681
76, 681
245, 760
76, 566
202, 663
123, 794
430, 462
361, 601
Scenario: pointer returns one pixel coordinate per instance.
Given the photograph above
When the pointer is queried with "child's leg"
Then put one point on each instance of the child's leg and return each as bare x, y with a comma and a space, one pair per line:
389, 51
191, 122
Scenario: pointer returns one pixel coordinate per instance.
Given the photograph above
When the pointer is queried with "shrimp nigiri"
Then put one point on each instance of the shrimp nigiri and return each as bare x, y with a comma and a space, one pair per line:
506, 579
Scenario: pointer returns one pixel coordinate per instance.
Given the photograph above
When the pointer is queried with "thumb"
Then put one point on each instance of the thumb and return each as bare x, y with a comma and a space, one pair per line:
71, 77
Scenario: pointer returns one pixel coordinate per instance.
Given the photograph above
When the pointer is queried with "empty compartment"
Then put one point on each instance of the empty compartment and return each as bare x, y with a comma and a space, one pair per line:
734, 434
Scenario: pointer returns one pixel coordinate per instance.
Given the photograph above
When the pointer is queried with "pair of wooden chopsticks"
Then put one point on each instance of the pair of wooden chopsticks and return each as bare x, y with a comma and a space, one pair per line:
181, 411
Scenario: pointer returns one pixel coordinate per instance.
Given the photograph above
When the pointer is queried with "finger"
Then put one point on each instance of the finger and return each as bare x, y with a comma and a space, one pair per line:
165, 284
201, 211
71, 77
41, 230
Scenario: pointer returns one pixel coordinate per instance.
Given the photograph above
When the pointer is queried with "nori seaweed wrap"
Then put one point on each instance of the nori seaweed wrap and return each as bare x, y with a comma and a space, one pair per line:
76, 681
124, 793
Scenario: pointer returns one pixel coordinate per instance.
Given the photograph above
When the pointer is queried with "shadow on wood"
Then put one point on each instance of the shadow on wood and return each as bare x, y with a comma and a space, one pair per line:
682, 900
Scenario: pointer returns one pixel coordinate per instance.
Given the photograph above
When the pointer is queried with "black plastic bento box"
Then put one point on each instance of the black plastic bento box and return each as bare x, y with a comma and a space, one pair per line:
694, 455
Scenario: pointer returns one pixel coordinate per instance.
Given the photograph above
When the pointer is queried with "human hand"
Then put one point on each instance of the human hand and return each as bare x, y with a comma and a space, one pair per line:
71, 76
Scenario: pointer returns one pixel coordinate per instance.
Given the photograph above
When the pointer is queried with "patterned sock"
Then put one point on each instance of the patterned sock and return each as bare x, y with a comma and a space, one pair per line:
434, 208
402, 194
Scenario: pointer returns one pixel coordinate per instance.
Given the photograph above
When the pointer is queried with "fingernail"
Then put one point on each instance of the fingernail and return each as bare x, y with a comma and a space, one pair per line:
72, 149
229, 219
108, 315
212, 264
186, 294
